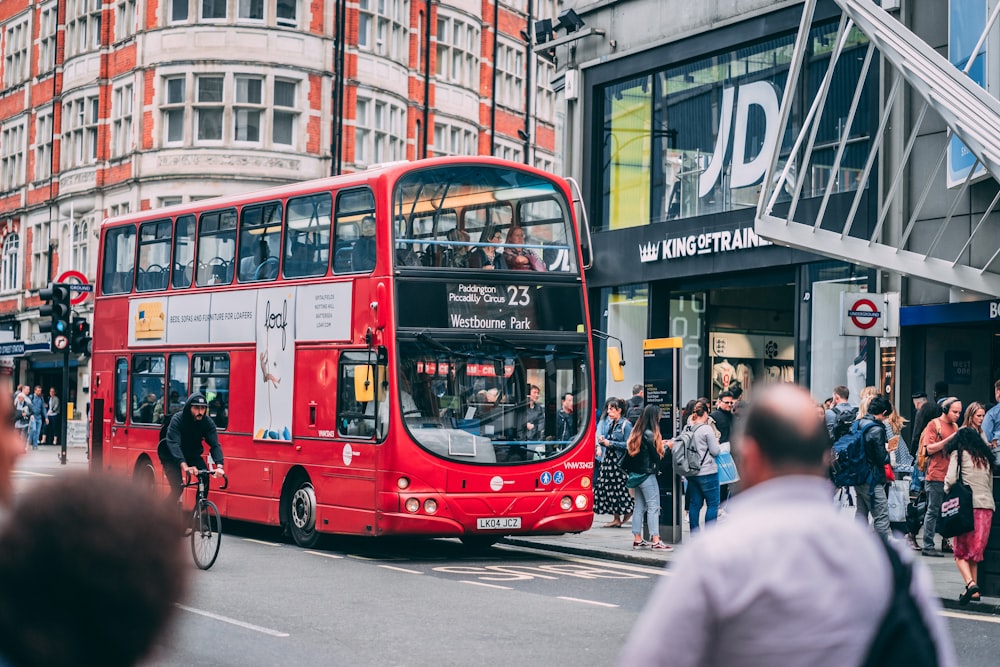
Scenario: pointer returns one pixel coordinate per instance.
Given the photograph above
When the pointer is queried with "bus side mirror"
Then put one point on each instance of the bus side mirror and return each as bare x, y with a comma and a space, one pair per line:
615, 363
366, 381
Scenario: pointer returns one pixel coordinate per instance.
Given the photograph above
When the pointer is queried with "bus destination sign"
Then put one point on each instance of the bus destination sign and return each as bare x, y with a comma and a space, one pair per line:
502, 307
489, 306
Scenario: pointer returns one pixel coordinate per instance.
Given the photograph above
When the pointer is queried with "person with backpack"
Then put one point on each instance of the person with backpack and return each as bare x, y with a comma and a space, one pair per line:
872, 498
787, 580
841, 414
634, 406
694, 452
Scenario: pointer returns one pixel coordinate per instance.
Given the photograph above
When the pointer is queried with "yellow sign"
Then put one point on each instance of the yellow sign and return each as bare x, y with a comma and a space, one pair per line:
662, 343
149, 320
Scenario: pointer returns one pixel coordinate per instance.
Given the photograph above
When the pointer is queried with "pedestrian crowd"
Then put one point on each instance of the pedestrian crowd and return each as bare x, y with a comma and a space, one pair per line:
37, 417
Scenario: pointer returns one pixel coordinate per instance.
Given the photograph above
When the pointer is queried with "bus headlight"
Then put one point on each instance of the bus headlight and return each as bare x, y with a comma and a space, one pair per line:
581, 502
412, 505
403, 483
566, 503
430, 506
585, 482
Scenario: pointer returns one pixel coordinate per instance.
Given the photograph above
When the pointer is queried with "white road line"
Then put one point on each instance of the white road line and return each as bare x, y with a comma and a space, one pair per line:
644, 569
320, 553
233, 621
479, 583
401, 569
970, 617
264, 542
32, 473
599, 604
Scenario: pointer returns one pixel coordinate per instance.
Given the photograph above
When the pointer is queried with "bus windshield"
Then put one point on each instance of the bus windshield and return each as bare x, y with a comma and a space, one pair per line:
482, 217
493, 403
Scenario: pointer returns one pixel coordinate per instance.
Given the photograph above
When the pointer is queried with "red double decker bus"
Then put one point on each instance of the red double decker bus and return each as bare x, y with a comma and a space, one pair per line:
391, 352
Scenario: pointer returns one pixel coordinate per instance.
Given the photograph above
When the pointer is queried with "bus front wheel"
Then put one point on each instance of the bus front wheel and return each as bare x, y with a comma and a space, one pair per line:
302, 513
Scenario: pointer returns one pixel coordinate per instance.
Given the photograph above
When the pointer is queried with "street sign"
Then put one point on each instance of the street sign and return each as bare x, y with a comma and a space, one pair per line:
12, 349
80, 285
869, 314
60, 342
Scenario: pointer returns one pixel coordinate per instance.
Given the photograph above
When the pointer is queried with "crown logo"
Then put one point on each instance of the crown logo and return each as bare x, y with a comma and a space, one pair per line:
649, 252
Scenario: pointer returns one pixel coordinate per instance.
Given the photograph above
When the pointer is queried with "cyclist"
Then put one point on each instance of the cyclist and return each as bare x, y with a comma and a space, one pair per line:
181, 448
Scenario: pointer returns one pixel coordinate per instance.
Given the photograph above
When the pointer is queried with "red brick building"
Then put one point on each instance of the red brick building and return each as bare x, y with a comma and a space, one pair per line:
111, 106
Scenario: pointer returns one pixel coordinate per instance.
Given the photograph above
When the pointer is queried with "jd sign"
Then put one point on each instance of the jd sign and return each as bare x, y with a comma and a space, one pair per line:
744, 172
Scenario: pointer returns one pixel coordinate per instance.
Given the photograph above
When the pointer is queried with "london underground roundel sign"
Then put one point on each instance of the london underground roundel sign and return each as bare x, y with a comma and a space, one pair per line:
78, 277
864, 313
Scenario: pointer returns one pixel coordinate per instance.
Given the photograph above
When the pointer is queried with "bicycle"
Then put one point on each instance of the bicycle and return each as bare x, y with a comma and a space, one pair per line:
206, 523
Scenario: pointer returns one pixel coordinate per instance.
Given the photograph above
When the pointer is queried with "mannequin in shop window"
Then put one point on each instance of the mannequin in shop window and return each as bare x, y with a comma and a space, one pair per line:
723, 374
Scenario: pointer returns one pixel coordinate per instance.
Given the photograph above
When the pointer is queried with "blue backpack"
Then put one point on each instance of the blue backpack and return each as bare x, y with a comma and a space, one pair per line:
850, 464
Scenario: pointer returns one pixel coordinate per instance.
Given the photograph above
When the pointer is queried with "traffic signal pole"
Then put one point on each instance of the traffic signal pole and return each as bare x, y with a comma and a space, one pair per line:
63, 409
56, 314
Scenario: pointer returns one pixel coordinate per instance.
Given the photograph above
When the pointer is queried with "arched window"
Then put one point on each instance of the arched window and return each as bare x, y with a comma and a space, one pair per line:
10, 268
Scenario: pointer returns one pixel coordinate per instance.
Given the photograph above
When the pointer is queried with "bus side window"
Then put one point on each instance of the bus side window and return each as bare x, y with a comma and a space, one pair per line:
216, 248
354, 417
119, 261
307, 236
184, 251
355, 232
121, 390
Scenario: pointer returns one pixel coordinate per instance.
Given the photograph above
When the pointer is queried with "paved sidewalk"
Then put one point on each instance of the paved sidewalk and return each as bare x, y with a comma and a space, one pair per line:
616, 544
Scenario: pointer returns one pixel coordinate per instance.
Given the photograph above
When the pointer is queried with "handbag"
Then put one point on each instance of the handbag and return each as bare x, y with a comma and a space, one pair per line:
956, 509
728, 474
899, 498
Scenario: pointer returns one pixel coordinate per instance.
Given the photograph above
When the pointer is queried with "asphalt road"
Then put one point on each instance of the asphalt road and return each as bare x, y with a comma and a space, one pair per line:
416, 603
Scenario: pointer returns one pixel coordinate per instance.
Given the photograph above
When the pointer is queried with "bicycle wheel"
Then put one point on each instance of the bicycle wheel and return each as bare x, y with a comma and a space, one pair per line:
206, 534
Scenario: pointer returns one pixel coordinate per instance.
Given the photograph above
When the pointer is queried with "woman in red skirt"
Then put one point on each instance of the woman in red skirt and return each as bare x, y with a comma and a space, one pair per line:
976, 460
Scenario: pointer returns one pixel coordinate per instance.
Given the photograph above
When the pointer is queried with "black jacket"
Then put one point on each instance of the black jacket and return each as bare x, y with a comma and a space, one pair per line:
646, 460
185, 434
875, 451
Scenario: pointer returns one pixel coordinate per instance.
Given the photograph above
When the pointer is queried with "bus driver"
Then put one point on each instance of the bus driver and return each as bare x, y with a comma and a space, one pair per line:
181, 450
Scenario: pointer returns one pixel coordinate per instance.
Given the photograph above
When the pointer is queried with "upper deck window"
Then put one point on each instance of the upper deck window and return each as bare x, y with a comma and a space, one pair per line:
119, 261
184, 251
154, 256
260, 242
355, 229
468, 217
216, 248
307, 236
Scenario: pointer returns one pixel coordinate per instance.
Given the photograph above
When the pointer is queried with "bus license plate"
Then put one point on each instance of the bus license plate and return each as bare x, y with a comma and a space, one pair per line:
499, 523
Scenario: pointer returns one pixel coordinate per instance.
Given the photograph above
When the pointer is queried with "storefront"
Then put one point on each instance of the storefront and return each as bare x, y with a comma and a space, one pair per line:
679, 138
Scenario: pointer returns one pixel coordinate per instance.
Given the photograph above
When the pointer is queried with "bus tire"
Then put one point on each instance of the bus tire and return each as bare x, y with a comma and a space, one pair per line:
301, 512
143, 474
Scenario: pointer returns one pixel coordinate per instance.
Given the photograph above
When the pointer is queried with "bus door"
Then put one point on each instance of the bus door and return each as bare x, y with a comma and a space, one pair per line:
115, 428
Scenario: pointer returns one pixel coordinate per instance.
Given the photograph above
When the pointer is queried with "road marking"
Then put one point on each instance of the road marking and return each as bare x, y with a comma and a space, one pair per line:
644, 569
970, 617
479, 583
599, 604
32, 473
320, 553
233, 621
264, 542
401, 569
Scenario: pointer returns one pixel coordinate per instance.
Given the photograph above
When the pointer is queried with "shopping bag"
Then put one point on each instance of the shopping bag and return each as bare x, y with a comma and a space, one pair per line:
728, 474
956, 511
899, 497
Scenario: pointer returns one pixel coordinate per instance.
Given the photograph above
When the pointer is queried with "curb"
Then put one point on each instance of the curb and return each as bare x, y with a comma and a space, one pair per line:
989, 608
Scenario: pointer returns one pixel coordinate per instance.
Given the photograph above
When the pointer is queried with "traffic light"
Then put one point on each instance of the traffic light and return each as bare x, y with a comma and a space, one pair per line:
80, 337
57, 309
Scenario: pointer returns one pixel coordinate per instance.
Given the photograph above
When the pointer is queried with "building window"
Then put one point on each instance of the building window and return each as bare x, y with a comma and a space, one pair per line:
83, 26
457, 51
12, 149
213, 9
382, 27
263, 110
286, 12
209, 109
510, 76
80, 132
380, 132
40, 255
17, 39
544, 97
43, 144
10, 269
124, 19
121, 121
80, 242
178, 10
169, 201
454, 140
251, 9
284, 112
509, 151
47, 39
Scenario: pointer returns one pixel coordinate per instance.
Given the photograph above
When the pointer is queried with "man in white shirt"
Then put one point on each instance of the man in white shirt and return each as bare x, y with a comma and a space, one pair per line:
786, 580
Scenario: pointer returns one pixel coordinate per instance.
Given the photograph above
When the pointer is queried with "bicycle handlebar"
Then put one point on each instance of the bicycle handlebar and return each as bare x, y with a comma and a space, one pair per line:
206, 473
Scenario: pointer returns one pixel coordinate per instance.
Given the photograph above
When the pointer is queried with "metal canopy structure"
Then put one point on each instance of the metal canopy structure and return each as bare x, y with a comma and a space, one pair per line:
938, 87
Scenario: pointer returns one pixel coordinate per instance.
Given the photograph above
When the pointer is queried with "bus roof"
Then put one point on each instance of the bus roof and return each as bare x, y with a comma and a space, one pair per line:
391, 170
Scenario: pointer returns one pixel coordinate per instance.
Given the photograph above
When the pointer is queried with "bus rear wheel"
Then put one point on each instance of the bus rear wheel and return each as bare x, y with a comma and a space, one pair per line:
301, 513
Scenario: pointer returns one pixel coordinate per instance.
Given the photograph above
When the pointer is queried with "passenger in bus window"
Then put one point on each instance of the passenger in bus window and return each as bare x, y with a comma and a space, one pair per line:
487, 257
144, 412
363, 254
456, 256
518, 258
218, 411
534, 415
250, 265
